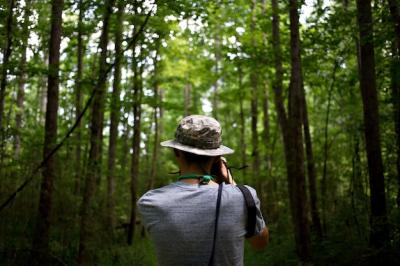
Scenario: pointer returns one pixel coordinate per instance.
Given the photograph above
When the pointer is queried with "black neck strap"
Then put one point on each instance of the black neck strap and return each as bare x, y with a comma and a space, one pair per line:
210, 262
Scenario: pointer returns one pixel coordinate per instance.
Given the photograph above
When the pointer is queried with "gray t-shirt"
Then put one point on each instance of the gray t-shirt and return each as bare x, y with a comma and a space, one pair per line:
180, 218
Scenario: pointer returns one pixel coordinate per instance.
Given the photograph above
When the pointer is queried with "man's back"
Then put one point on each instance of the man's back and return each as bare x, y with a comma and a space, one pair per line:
180, 218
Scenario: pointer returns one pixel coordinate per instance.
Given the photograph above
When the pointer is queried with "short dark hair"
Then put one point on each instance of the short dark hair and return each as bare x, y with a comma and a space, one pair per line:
192, 158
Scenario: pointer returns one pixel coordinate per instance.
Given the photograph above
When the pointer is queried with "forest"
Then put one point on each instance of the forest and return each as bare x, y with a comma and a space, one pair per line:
307, 94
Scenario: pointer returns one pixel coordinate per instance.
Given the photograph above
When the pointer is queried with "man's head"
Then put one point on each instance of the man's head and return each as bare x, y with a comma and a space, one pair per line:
199, 135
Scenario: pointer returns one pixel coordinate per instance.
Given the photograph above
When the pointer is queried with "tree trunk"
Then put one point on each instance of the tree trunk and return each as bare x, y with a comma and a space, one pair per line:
78, 100
242, 118
325, 162
42, 93
217, 54
157, 113
21, 79
41, 235
277, 88
187, 99
312, 176
254, 102
278, 81
266, 131
395, 84
291, 128
379, 234
266, 122
136, 150
296, 164
125, 142
96, 138
115, 115
3, 81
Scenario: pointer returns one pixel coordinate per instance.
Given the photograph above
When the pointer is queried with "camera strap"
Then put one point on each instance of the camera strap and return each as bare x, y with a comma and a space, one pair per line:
251, 211
210, 262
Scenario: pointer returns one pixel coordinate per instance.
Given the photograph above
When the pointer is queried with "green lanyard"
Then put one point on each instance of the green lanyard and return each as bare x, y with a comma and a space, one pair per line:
204, 179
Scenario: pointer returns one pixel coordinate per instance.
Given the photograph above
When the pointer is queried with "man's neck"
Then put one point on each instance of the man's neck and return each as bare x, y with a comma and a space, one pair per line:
194, 170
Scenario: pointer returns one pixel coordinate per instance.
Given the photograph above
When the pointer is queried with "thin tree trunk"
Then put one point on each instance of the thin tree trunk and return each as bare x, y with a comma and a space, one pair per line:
291, 128
277, 88
154, 165
254, 102
266, 131
3, 81
266, 122
217, 54
395, 84
41, 235
96, 138
78, 100
312, 176
325, 163
242, 118
278, 81
115, 115
187, 99
303, 242
21, 79
136, 151
379, 234
125, 143
356, 187
43, 93
267, 194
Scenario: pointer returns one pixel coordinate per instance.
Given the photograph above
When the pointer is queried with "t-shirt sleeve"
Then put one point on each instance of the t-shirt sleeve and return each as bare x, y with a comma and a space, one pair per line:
148, 210
260, 222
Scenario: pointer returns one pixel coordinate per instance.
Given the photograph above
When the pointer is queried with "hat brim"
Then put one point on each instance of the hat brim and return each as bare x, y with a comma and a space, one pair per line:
222, 150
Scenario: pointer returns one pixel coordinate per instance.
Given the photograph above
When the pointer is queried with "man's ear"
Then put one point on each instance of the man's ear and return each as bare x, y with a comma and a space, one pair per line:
176, 152
216, 159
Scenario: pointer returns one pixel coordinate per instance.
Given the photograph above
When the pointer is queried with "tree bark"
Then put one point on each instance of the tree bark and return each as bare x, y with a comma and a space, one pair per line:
395, 83
157, 115
125, 142
291, 128
135, 150
278, 81
254, 100
217, 54
325, 162
78, 100
379, 234
266, 123
187, 98
3, 81
242, 118
277, 86
96, 138
42, 93
296, 165
21, 79
115, 116
41, 235
312, 176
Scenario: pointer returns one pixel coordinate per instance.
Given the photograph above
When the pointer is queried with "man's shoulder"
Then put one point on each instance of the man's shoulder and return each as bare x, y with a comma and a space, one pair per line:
157, 193
234, 189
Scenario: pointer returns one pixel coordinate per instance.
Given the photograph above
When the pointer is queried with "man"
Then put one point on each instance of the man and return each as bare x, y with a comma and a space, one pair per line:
182, 217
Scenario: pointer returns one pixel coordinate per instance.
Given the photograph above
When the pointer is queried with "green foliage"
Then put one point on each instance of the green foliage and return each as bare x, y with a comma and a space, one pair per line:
200, 46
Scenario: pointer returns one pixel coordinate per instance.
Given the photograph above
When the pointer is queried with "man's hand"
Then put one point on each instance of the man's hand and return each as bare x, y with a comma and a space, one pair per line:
260, 241
220, 169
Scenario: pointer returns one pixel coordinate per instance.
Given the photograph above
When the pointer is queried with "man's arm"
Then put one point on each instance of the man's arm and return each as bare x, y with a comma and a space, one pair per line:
260, 241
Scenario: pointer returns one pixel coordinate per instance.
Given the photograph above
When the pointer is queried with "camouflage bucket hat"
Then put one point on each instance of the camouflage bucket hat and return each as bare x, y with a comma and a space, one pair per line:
200, 135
